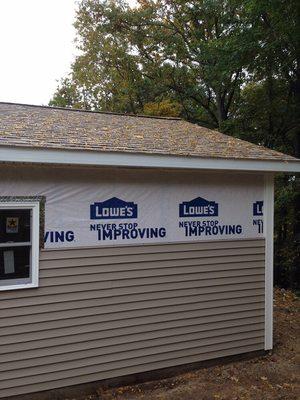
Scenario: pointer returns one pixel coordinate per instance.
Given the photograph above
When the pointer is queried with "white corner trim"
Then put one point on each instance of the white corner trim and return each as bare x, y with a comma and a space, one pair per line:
93, 158
35, 242
269, 248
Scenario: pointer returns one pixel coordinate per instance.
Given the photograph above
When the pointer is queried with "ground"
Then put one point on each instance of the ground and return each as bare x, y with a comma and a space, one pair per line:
271, 377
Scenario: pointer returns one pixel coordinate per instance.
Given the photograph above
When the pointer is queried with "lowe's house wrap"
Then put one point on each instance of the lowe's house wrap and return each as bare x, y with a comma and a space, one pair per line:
135, 207
129, 246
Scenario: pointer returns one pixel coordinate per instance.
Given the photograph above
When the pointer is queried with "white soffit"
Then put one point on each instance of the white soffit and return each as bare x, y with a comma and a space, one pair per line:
91, 158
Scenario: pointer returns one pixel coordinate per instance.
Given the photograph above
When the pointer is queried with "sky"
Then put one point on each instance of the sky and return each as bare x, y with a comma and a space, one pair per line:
36, 48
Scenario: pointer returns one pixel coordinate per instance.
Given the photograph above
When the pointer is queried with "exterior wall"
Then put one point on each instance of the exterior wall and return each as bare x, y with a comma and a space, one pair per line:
158, 196
107, 312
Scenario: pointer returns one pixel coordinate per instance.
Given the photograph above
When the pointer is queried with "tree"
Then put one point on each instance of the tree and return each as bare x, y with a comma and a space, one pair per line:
252, 123
190, 52
226, 64
277, 68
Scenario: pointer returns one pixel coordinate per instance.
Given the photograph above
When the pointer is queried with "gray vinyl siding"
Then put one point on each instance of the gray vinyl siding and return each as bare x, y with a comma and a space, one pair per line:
106, 312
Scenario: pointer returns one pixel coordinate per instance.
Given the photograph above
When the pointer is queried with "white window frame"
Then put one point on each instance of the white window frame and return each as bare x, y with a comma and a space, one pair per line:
34, 206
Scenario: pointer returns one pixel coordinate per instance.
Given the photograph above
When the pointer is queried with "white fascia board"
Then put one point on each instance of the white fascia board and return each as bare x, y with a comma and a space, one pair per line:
93, 158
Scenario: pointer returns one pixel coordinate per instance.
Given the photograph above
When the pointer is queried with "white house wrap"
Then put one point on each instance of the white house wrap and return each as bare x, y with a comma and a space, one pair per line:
127, 245
135, 207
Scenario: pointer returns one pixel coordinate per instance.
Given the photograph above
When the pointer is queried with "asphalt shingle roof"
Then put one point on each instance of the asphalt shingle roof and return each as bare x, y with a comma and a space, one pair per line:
56, 128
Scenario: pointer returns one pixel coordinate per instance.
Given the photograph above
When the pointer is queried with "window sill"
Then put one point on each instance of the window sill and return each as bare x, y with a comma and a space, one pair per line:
19, 286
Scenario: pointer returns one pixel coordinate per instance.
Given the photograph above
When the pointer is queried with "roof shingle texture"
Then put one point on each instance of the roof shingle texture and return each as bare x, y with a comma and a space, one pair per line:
47, 127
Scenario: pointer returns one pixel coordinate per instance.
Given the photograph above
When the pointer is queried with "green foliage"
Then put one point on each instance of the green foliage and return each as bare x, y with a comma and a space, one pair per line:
227, 64
68, 95
287, 235
190, 52
253, 121
165, 108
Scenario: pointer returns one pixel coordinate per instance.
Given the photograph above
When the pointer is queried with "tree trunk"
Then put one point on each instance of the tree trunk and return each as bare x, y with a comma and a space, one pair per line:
221, 110
296, 91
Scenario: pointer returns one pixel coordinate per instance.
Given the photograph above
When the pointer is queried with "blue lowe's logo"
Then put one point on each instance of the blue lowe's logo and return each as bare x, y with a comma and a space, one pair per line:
258, 208
113, 208
198, 207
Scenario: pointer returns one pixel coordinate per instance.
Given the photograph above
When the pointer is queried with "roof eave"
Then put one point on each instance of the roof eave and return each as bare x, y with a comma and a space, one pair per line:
18, 154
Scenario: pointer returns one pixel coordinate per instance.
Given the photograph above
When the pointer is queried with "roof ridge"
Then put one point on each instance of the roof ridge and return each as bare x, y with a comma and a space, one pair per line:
91, 111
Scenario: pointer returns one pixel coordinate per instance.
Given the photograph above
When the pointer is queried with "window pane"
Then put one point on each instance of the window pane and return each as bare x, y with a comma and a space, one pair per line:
14, 262
14, 225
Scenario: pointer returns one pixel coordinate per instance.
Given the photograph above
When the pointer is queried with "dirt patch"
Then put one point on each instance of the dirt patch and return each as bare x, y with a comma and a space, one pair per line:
271, 377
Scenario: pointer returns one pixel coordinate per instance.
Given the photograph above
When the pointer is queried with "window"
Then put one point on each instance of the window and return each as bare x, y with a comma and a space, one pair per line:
19, 245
